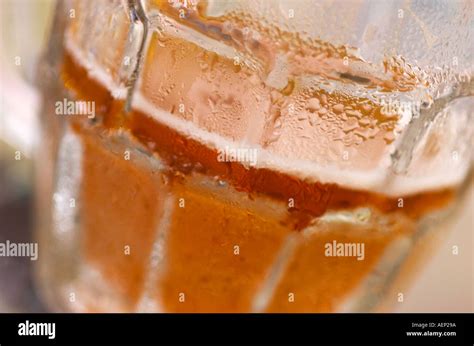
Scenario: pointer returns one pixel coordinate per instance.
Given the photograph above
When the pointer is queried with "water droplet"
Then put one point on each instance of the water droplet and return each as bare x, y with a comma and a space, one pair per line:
314, 120
367, 108
350, 125
339, 108
324, 99
354, 113
313, 104
389, 137
277, 124
288, 89
274, 137
323, 111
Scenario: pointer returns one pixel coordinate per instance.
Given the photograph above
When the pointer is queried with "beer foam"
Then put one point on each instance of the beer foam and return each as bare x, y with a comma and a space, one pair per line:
380, 180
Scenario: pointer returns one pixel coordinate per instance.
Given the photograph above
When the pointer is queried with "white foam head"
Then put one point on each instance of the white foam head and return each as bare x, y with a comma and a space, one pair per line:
435, 174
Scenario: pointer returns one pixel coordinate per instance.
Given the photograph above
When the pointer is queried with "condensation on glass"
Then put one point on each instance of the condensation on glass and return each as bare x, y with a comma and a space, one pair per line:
274, 156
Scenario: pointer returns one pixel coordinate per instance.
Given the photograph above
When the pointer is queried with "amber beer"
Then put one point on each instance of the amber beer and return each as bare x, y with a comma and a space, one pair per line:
172, 218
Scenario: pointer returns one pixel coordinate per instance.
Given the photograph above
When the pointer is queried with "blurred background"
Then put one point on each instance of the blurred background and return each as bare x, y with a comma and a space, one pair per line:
445, 282
24, 29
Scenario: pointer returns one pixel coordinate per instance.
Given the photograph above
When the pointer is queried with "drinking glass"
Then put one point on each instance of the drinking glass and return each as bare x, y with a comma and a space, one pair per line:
248, 156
